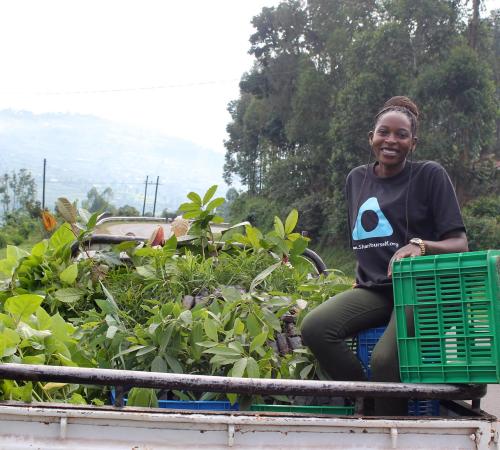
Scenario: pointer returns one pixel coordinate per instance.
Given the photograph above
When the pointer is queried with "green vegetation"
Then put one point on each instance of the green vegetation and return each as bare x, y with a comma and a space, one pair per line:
194, 308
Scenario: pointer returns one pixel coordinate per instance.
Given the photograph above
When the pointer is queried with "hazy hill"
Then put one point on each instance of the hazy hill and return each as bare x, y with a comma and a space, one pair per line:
85, 151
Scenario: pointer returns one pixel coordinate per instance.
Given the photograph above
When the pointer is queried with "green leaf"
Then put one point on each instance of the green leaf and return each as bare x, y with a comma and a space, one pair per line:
233, 398
253, 370
36, 359
254, 236
189, 207
298, 247
306, 371
253, 325
291, 221
22, 306
128, 350
271, 319
62, 236
263, 275
239, 368
110, 334
209, 194
147, 272
159, 365
144, 397
278, 227
146, 350
40, 248
195, 198
69, 295
239, 326
92, 220
77, 399
258, 341
66, 209
69, 274
210, 327
186, 316
215, 203
222, 351
125, 245
174, 364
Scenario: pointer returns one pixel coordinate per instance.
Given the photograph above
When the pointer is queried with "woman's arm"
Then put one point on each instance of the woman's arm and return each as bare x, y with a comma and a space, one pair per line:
452, 242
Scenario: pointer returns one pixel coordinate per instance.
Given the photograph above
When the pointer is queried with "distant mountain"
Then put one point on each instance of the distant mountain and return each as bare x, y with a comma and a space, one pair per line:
84, 151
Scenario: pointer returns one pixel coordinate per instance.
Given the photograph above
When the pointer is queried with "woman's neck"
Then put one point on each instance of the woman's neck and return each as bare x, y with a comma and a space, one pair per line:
384, 171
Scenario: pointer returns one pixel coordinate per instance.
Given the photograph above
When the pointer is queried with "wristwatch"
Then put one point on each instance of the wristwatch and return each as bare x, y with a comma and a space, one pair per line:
420, 243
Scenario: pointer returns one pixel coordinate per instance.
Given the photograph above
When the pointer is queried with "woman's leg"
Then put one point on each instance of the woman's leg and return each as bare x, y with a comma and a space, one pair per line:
385, 367
325, 329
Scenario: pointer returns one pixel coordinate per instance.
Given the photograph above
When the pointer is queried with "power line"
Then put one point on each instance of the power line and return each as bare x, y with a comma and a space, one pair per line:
129, 89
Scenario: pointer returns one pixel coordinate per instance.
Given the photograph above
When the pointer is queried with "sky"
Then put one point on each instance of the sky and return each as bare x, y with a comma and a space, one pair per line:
165, 65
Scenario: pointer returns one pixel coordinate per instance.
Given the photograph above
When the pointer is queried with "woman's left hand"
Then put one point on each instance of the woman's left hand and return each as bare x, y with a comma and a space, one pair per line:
403, 252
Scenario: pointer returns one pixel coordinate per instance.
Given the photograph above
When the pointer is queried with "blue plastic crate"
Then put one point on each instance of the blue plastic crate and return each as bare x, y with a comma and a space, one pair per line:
366, 341
193, 405
365, 345
423, 408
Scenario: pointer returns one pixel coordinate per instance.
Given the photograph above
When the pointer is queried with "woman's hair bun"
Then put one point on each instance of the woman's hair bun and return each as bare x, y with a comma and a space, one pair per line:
402, 102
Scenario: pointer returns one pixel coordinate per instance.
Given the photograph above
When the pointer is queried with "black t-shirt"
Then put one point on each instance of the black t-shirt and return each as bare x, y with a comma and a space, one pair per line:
385, 213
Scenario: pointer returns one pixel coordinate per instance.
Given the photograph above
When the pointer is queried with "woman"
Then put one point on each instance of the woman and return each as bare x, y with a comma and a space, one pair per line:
397, 209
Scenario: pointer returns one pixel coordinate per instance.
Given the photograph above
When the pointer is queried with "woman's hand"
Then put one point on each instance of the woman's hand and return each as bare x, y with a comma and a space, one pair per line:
403, 252
451, 242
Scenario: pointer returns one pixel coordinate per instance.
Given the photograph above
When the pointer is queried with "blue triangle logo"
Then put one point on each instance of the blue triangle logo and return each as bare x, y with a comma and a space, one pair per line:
383, 228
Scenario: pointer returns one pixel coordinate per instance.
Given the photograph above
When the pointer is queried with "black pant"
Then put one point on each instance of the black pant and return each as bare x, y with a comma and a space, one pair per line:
325, 329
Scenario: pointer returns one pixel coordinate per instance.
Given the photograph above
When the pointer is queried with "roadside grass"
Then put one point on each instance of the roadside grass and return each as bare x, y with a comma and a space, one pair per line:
339, 258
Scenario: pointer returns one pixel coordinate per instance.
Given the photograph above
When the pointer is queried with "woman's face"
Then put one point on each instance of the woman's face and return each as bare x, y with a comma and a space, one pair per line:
391, 141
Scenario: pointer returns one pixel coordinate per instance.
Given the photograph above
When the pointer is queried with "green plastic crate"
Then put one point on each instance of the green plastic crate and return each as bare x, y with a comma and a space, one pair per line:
454, 301
338, 410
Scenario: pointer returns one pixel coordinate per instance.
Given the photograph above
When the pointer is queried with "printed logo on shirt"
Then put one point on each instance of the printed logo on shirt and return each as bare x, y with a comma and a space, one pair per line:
371, 222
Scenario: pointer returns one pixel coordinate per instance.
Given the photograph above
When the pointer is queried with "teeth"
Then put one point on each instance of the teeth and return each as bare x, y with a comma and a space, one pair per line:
389, 152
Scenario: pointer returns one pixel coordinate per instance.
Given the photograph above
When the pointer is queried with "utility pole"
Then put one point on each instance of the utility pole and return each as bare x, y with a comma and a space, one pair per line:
156, 194
43, 183
145, 194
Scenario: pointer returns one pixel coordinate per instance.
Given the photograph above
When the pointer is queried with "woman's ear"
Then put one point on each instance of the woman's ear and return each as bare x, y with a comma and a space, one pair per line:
370, 138
414, 143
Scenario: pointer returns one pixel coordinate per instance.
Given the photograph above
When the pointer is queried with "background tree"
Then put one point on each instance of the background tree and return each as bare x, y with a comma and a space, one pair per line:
99, 201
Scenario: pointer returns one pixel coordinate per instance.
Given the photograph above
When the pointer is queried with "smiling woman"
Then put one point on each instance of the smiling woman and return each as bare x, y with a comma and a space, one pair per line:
397, 208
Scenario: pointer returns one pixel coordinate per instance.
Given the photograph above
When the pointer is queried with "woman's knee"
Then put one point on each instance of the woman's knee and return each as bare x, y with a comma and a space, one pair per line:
318, 328
384, 365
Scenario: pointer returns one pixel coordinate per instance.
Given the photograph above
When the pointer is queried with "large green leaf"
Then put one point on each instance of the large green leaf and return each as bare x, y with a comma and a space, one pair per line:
210, 327
239, 368
258, 341
63, 236
209, 194
291, 221
22, 306
278, 227
253, 370
215, 203
69, 274
195, 198
69, 295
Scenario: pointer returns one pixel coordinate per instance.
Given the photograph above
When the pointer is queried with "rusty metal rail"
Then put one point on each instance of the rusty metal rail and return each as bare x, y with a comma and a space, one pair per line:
205, 383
